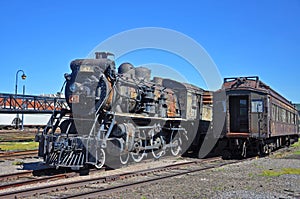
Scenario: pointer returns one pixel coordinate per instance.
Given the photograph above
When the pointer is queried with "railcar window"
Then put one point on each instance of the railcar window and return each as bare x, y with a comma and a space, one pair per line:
273, 112
277, 114
283, 115
288, 117
280, 114
293, 119
243, 107
257, 106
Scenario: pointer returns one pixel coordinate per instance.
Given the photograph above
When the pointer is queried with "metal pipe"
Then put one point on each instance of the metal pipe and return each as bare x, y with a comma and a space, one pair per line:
23, 108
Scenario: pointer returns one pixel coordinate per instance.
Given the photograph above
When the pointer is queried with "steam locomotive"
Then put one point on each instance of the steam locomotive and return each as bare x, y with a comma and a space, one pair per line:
119, 115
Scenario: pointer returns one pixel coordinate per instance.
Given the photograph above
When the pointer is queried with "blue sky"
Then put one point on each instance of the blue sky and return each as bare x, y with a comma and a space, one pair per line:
242, 37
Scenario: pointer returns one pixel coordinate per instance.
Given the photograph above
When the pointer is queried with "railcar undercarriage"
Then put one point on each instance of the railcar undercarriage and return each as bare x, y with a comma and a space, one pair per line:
247, 147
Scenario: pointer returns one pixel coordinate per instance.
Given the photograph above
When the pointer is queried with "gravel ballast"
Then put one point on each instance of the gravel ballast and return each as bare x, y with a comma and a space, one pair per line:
240, 180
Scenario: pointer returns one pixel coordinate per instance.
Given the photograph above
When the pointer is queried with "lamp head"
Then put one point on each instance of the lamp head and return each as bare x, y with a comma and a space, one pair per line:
23, 76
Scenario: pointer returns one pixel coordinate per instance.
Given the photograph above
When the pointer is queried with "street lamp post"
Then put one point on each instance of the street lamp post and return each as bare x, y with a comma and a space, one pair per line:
22, 128
23, 76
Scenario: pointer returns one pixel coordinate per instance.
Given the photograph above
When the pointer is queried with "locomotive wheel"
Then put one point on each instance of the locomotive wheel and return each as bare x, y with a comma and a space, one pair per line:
138, 155
100, 158
124, 157
157, 153
177, 142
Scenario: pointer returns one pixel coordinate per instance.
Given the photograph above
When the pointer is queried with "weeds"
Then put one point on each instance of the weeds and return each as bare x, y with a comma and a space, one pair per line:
18, 163
18, 146
296, 144
284, 171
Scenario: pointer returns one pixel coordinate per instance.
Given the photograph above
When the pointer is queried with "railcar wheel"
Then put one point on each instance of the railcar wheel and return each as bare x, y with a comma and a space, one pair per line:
226, 154
266, 149
137, 155
100, 158
176, 143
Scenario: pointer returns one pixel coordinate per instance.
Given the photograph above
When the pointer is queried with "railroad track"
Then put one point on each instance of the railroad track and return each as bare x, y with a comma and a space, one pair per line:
28, 177
14, 176
97, 186
18, 154
37, 176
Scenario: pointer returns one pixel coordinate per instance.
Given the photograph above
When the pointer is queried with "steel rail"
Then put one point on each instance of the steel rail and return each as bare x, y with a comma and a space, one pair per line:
35, 191
11, 155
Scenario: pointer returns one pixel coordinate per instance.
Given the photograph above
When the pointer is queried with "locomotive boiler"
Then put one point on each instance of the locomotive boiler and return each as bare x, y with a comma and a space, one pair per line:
119, 115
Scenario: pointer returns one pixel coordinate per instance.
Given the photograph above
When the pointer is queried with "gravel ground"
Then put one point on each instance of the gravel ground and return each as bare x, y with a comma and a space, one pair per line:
241, 180
17, 135
19, 165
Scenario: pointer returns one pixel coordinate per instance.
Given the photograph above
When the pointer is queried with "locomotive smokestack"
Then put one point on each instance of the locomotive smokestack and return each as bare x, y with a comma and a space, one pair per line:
101, 55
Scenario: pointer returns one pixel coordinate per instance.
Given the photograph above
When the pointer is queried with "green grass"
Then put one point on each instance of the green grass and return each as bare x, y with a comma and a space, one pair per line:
18, 146
272, 173
296, 144
18, 163
297, 152
219, 169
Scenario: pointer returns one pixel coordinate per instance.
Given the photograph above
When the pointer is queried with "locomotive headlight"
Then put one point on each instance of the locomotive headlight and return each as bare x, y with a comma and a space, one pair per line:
72, 87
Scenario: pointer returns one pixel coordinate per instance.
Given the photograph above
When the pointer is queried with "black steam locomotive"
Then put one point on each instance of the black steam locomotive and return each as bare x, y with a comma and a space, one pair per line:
119, 116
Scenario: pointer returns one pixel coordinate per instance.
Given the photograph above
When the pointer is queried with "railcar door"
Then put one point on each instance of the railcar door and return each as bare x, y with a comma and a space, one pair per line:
259, 116
238, 112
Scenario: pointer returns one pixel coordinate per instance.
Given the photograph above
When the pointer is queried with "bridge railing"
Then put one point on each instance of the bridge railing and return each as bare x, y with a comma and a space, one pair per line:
10, 103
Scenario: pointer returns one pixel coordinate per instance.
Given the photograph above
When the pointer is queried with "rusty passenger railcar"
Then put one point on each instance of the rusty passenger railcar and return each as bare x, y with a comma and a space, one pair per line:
258, 119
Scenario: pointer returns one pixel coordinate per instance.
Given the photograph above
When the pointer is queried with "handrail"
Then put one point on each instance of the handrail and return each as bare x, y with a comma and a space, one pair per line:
11, 103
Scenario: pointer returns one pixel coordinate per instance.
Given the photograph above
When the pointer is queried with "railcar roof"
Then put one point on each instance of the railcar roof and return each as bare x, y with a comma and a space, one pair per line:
233, 83
251, 83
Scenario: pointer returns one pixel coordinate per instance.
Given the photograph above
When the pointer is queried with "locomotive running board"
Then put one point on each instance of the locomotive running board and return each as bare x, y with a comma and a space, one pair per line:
148, 117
